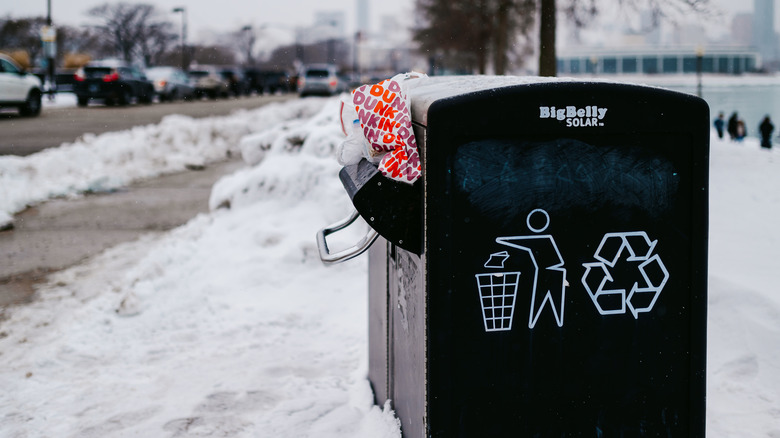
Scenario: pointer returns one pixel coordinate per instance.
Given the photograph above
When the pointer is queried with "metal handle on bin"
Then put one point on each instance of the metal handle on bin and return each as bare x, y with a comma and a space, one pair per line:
359, 248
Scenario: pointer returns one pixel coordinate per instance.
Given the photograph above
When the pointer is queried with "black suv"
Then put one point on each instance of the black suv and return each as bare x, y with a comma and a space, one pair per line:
112, 83
268, 81
238, 83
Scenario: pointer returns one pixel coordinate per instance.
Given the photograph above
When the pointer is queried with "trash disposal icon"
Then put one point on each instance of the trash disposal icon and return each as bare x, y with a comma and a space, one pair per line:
498, 294
650, 275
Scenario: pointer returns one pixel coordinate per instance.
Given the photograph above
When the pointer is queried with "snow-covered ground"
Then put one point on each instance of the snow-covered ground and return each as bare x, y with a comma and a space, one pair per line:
231, 326
111, 160
59, 100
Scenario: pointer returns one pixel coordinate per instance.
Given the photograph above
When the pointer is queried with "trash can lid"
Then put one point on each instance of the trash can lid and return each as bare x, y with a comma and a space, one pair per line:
425, 91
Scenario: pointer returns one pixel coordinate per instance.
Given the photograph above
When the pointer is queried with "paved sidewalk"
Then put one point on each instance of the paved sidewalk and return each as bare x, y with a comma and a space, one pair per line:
61, 232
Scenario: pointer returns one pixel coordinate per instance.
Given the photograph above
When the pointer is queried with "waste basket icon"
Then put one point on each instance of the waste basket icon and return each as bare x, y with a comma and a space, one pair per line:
497, 294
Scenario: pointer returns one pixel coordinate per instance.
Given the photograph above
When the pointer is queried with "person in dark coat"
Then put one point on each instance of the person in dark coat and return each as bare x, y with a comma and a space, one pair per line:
731, 127
719, 125
741, 130
766, 127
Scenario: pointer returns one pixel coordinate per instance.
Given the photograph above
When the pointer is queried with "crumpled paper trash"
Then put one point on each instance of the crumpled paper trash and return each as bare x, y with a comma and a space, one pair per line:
378, 123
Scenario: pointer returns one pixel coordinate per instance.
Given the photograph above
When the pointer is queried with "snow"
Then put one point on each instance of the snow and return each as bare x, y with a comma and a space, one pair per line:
96, 163
744, 304
59, 100
231, 326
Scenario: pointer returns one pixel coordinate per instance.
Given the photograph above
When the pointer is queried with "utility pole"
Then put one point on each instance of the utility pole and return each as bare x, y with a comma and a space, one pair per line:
249, 39
49, 38
699, 65
183, 10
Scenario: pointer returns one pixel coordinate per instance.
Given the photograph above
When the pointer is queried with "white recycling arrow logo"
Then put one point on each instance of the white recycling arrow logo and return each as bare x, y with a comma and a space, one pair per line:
633, 247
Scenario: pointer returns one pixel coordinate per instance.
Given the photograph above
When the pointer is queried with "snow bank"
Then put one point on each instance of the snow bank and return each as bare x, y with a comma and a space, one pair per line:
227, 326
112, 160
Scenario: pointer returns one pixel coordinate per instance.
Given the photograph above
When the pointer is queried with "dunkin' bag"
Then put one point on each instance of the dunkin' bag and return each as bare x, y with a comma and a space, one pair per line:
378, 124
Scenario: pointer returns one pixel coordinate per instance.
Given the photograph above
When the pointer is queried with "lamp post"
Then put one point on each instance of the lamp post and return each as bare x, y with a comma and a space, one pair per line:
50, 46
699, 65
183, 10
594, 62
250, 42
331, 56
356, 56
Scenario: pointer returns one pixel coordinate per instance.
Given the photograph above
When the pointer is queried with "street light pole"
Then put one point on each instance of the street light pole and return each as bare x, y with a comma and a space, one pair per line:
332, 43
250, 42
184, 63
50, 56
699, 65
355, 56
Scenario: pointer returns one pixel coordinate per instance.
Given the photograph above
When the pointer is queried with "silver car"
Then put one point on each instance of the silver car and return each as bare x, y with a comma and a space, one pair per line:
170, 83
320, 79
209, 82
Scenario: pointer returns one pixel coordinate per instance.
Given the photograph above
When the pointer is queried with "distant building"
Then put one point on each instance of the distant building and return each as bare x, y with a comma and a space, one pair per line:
327, 25
742, 29
363, 17
650, 27
386, 48
656, 60
335, 20
764, 38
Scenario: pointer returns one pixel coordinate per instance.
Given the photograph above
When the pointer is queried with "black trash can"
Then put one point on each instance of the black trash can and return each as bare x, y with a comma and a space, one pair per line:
550, 279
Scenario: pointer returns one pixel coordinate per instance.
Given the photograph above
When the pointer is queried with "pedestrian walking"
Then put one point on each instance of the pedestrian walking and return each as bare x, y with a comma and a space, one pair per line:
731, 127
720, 123
741, 131
766, 127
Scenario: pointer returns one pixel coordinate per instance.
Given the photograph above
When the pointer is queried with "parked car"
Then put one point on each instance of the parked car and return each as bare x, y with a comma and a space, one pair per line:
321, 79
268, 81
237, 82
18, 88
113, 83
64, 78
208, 82
170, 83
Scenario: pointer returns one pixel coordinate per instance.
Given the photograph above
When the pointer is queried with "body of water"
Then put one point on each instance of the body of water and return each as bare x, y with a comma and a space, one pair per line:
750, 98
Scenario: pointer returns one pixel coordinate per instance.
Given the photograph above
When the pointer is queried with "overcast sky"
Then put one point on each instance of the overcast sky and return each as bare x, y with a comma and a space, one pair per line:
205, 16
208, 16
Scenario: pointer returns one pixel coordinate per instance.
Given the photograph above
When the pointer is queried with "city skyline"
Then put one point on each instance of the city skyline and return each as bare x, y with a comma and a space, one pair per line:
206, 18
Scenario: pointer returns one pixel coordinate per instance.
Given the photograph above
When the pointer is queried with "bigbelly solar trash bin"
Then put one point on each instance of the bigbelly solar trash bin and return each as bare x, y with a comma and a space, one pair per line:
552, 279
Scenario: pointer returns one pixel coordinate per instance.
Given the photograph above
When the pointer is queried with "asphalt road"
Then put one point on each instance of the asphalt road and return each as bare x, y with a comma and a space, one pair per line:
62, 232
25, 136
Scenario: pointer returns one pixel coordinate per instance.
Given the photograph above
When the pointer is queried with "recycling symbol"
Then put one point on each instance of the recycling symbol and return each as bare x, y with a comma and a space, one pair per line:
643, 275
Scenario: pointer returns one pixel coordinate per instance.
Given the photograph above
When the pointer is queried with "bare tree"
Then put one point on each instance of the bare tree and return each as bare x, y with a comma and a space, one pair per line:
465, 33
23, 34
84, 40
580, 12
158, 39
468, 34
216, 55
452, 32
547, 33
512, 33
245, 42
134, 28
